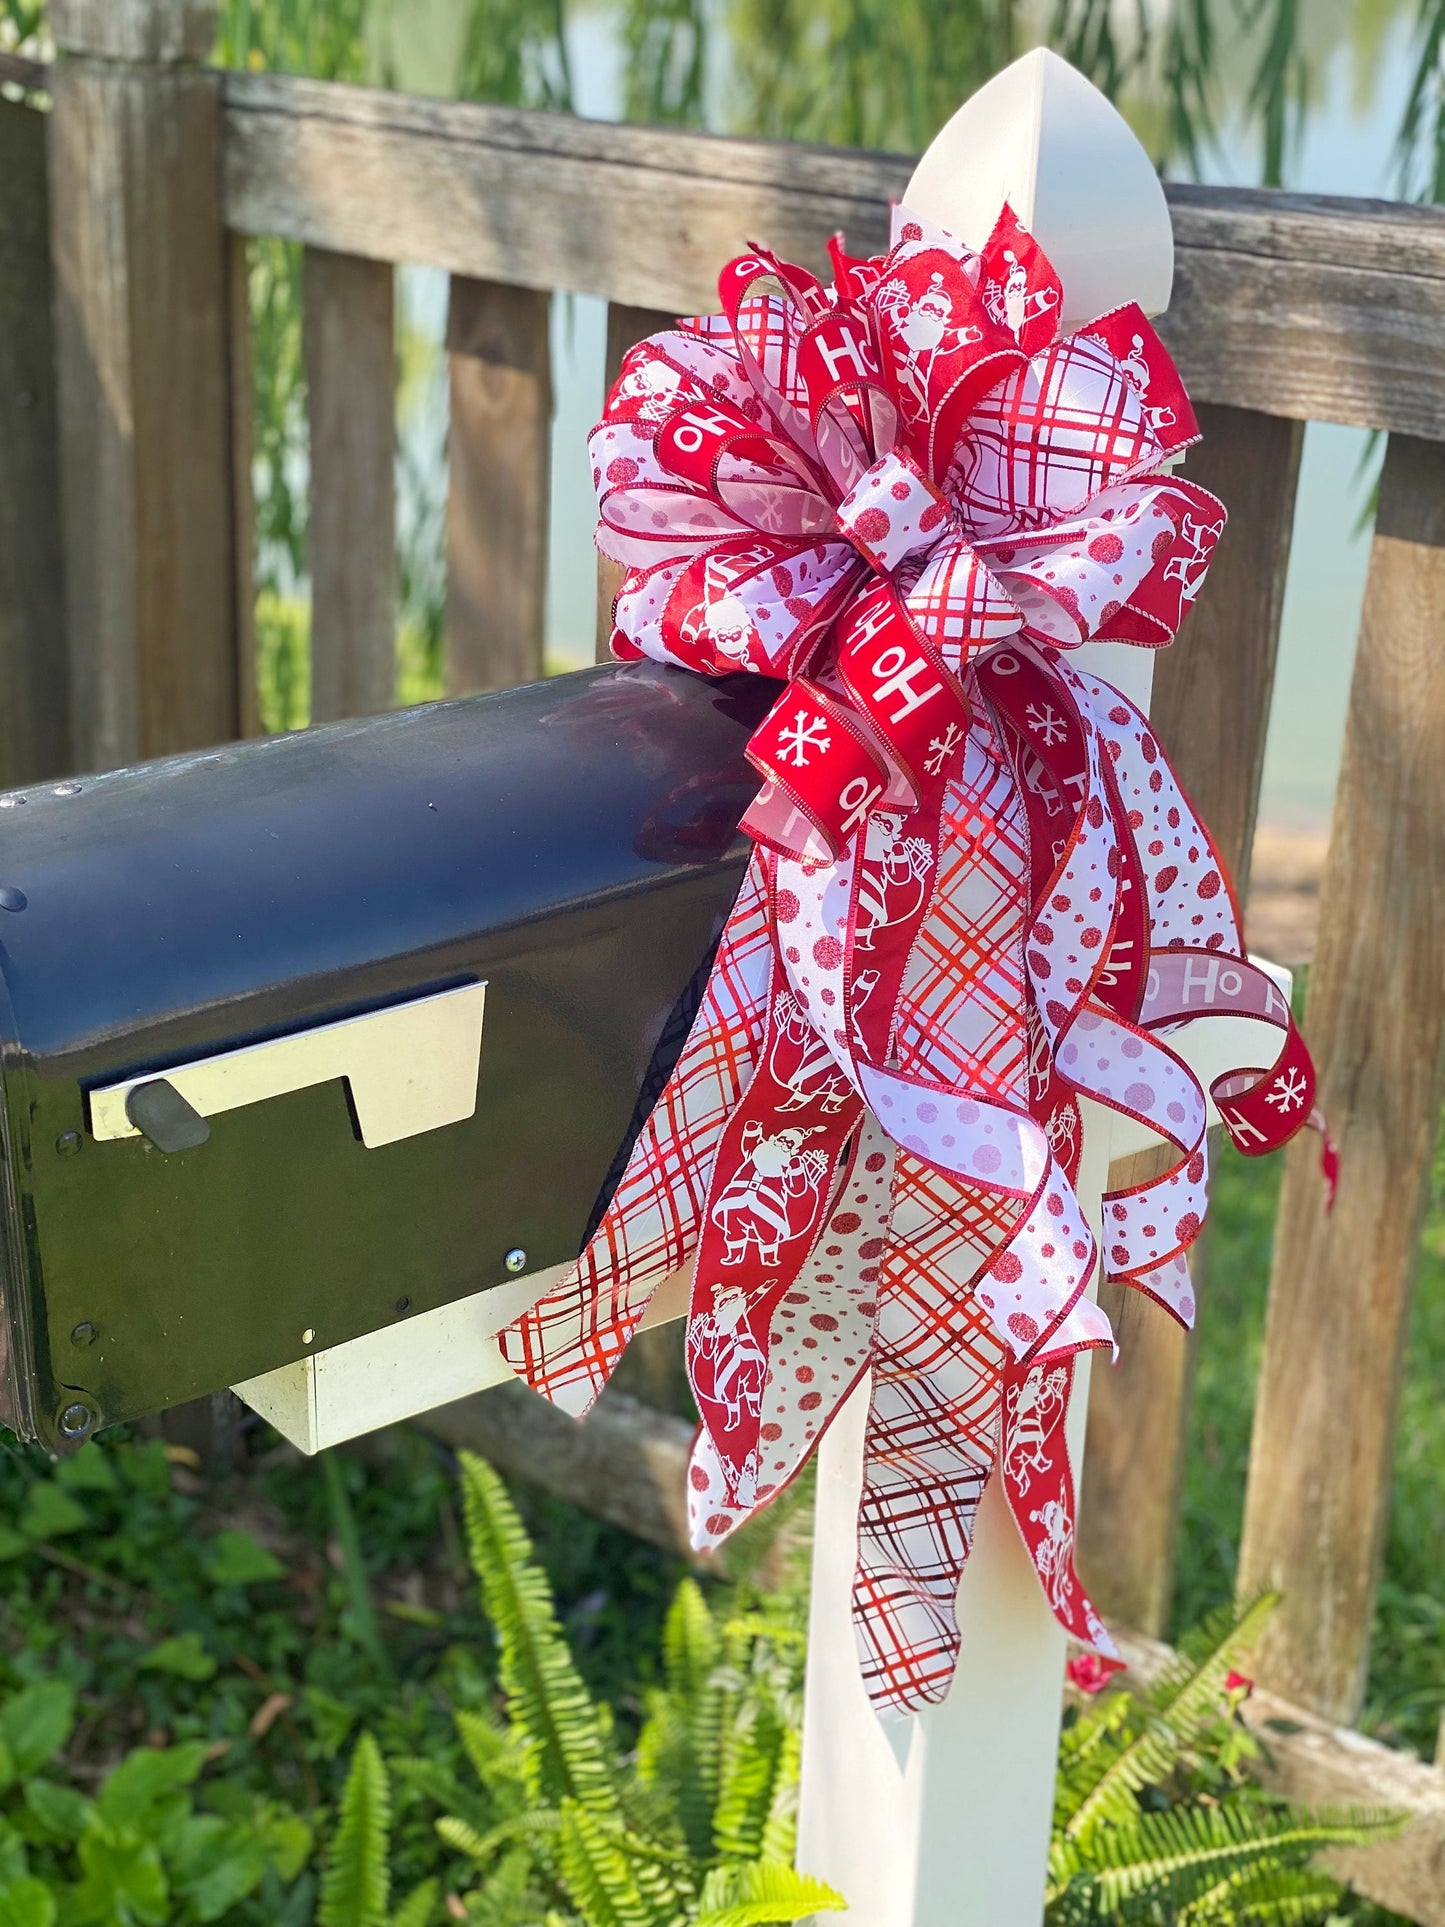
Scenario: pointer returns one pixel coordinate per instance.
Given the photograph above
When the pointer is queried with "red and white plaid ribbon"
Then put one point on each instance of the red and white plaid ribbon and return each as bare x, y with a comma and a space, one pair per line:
978, 895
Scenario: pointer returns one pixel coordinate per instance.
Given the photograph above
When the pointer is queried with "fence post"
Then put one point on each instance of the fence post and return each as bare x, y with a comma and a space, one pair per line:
1211, 709
941, 1819
1324, 1427
140, 263
34, 720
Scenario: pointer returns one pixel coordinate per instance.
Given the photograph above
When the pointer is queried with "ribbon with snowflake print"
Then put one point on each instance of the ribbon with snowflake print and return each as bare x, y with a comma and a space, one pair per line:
977, 895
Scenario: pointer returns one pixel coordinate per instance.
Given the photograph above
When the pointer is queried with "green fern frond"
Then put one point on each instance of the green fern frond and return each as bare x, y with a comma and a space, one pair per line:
499, 1761
438, 1787
752, 1758
1103, 1783
1192, 1691
357, 1882
482, 1845
510, 1897
759, 1892
691, 1645
462, 1837
599, 1876
680, 1743
1267, 1897
780, 1829
418, 1907
1177, 1859
568, 1758
426, 1777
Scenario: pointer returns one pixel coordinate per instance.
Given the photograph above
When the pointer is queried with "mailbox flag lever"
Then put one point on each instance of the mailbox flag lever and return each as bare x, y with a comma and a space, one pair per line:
411, 1067
157, 1109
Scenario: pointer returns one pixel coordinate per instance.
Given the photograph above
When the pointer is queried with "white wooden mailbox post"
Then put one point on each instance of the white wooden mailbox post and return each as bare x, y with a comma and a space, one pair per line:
942, 1819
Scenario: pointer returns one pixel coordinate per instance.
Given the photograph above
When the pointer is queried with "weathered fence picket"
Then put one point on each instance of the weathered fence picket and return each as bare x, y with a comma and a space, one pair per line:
348, 335
1339, 1305
140, 262
1211, 708
625, 328
499, 494
34, 700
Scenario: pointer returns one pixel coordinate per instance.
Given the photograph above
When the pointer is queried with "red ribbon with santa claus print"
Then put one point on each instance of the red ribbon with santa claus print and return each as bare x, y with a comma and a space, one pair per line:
978, 896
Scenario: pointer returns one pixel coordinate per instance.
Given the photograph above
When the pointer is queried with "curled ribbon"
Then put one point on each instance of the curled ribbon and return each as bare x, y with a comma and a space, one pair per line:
978, 894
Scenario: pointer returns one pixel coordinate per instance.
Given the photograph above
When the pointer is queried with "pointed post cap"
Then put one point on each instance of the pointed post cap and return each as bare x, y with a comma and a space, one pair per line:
1046, 140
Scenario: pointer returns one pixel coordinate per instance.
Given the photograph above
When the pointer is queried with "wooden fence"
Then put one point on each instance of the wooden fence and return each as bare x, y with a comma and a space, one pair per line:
1287, 308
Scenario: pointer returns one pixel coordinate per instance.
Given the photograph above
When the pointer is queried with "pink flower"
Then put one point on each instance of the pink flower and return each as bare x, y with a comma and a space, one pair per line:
1088, 1673
1238, 1685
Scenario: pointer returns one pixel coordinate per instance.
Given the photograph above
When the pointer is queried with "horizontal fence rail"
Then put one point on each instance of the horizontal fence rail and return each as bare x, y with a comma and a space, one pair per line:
1298, 305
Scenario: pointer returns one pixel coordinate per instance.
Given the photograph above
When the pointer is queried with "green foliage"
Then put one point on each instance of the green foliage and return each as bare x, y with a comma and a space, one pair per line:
1406, 1686
138, 1853
553, 1786
357, 1883
1157, 1820
665, 44
515, 51
559, 1820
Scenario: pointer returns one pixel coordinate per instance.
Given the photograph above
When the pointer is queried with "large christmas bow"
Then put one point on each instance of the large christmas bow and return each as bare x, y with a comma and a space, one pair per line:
978, 894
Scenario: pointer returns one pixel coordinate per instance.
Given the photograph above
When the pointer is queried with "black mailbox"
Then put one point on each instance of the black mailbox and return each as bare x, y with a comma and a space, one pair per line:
240, 995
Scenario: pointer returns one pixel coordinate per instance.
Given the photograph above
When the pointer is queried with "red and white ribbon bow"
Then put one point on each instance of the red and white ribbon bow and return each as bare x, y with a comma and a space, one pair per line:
978, 894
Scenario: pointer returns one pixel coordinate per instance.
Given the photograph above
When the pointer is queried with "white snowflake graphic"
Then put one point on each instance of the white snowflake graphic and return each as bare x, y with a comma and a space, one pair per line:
941, 748
805, 734
1045, 722
1287, 1093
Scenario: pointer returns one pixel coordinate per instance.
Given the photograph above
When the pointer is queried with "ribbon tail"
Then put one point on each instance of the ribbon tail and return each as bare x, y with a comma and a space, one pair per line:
931, 1440
818, 1346
567, 1345
1039, 1483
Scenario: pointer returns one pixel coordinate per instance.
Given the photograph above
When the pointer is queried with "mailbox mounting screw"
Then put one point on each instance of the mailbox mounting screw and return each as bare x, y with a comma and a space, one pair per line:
11, 898
84, 1333
76, 1421
402, 1305
516, 1261
67, 1144
308, 1337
